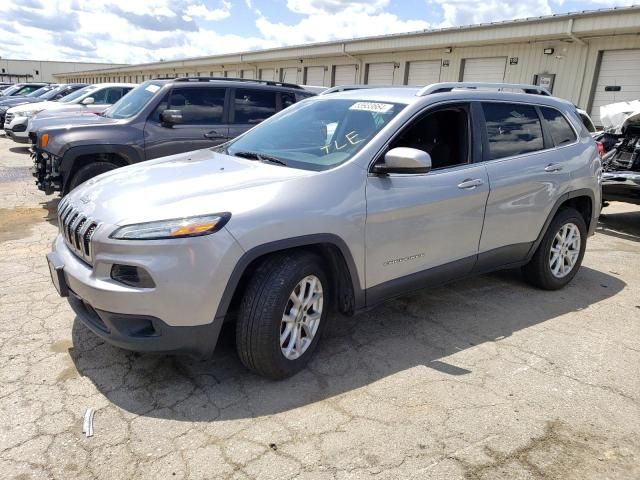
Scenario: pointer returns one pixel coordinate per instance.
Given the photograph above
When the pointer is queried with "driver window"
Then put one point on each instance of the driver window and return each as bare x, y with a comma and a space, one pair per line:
443, 134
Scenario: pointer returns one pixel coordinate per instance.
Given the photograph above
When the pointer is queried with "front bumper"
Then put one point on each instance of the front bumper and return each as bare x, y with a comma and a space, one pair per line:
177, 315
142, 333
17, 129
46, 170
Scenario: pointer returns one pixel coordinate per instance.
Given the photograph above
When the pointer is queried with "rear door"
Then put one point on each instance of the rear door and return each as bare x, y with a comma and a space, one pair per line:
527, 175
249, 107
205, 121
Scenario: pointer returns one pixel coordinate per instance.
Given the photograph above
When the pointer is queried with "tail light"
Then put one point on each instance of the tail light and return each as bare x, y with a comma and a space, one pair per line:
600, 149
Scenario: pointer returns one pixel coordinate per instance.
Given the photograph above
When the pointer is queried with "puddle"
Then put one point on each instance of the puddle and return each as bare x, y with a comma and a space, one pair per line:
61, 346
16, 223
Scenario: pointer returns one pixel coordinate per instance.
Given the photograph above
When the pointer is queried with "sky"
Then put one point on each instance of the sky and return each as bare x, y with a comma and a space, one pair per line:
139, 31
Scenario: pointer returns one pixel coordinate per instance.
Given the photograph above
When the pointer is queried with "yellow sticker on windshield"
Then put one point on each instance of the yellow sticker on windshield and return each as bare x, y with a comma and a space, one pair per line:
372, 107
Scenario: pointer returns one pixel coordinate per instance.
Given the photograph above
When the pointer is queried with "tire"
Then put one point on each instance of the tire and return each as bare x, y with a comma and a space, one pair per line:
539, 271
87, 172
264, 304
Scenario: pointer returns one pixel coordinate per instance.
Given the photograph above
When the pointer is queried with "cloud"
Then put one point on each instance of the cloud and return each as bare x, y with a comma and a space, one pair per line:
202, 12
160, 21
336, 19
56, 21
471, 12
332, 7
136, 31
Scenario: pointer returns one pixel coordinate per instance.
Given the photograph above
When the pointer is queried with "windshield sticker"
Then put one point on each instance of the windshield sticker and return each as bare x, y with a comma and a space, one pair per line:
372, 107
152, 88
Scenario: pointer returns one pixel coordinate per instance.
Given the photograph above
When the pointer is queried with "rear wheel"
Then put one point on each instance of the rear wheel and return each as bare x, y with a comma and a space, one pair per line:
559, 255
89, 171
282, 315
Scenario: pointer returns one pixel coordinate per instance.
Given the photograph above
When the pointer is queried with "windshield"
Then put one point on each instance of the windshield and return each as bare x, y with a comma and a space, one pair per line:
317, 134
134, 101
12, 89
78, 93
53, 92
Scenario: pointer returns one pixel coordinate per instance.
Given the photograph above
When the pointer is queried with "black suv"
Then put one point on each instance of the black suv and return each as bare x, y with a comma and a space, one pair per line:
156, 119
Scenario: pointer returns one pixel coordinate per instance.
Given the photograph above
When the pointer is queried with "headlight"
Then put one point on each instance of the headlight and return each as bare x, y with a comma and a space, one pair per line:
175, 228
27, 113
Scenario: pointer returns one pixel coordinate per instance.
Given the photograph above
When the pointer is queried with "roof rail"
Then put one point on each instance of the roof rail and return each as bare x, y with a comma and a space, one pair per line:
231, 79
448, 86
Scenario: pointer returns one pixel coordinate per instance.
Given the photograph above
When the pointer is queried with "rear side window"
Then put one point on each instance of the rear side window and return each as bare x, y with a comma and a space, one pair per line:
559, 127
254, 106
199, 106
586, 121
512, 129
288, 99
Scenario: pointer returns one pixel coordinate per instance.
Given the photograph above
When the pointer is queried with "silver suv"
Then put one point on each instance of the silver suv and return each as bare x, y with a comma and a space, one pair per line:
337, 203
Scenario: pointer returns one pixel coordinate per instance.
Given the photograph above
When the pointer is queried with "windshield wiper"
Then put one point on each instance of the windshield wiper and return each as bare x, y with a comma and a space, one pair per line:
259, 156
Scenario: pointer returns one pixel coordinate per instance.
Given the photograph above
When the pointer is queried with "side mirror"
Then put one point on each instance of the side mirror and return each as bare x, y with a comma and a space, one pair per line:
88, 101
404, 160
171, 117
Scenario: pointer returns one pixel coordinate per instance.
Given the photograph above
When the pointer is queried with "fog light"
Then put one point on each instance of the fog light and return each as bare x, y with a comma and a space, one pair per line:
132, 276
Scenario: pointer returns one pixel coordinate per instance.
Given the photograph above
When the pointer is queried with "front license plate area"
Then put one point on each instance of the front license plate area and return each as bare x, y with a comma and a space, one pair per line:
56, 269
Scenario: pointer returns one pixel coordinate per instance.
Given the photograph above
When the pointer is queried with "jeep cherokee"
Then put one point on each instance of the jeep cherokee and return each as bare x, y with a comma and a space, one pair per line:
337, 203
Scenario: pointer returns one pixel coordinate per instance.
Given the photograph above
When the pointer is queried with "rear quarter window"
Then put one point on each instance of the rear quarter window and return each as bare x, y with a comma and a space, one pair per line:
512, 129
559, 127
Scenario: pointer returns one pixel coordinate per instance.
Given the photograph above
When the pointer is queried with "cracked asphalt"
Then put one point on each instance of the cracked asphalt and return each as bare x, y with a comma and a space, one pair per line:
486, 378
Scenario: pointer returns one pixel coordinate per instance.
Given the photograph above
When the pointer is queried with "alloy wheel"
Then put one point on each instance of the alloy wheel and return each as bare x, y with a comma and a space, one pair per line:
301, 317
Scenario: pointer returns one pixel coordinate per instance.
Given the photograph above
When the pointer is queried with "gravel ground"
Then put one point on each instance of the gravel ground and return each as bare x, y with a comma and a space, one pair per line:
486, 378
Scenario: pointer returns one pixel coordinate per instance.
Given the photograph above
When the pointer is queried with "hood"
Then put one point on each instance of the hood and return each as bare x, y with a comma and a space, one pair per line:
194, 183
35, 106
13, 101
64, 119
618, 116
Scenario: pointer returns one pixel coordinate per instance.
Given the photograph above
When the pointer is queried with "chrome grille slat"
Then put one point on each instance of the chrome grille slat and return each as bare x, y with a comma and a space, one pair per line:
77, 230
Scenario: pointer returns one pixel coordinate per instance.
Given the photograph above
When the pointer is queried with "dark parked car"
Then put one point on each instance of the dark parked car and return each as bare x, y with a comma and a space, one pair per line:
21, 89
22, 94
156, 119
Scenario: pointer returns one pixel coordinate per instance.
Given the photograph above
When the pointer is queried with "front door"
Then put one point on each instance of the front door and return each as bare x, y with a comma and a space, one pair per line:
204, 122
426, 227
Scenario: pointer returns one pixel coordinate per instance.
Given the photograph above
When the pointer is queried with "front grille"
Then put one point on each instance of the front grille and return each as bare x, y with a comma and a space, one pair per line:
77, 230
8, 117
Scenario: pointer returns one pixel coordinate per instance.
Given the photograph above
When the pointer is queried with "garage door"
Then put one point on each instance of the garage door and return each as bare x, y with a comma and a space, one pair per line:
289, 75
618, 80
424, 72
314, 76
484, 69
267, 74
249, 74
344, 75
380, 74
231, 74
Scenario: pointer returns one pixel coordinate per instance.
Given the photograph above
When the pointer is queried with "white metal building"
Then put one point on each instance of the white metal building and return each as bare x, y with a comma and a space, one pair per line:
591, 58
43, 70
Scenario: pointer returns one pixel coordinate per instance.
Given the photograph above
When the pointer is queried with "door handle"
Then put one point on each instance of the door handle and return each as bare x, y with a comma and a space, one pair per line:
213, 134
553, 167
470, 183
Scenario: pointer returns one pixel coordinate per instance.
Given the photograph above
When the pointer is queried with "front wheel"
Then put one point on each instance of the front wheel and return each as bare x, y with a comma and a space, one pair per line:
559, 255
89, 171
282, 314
